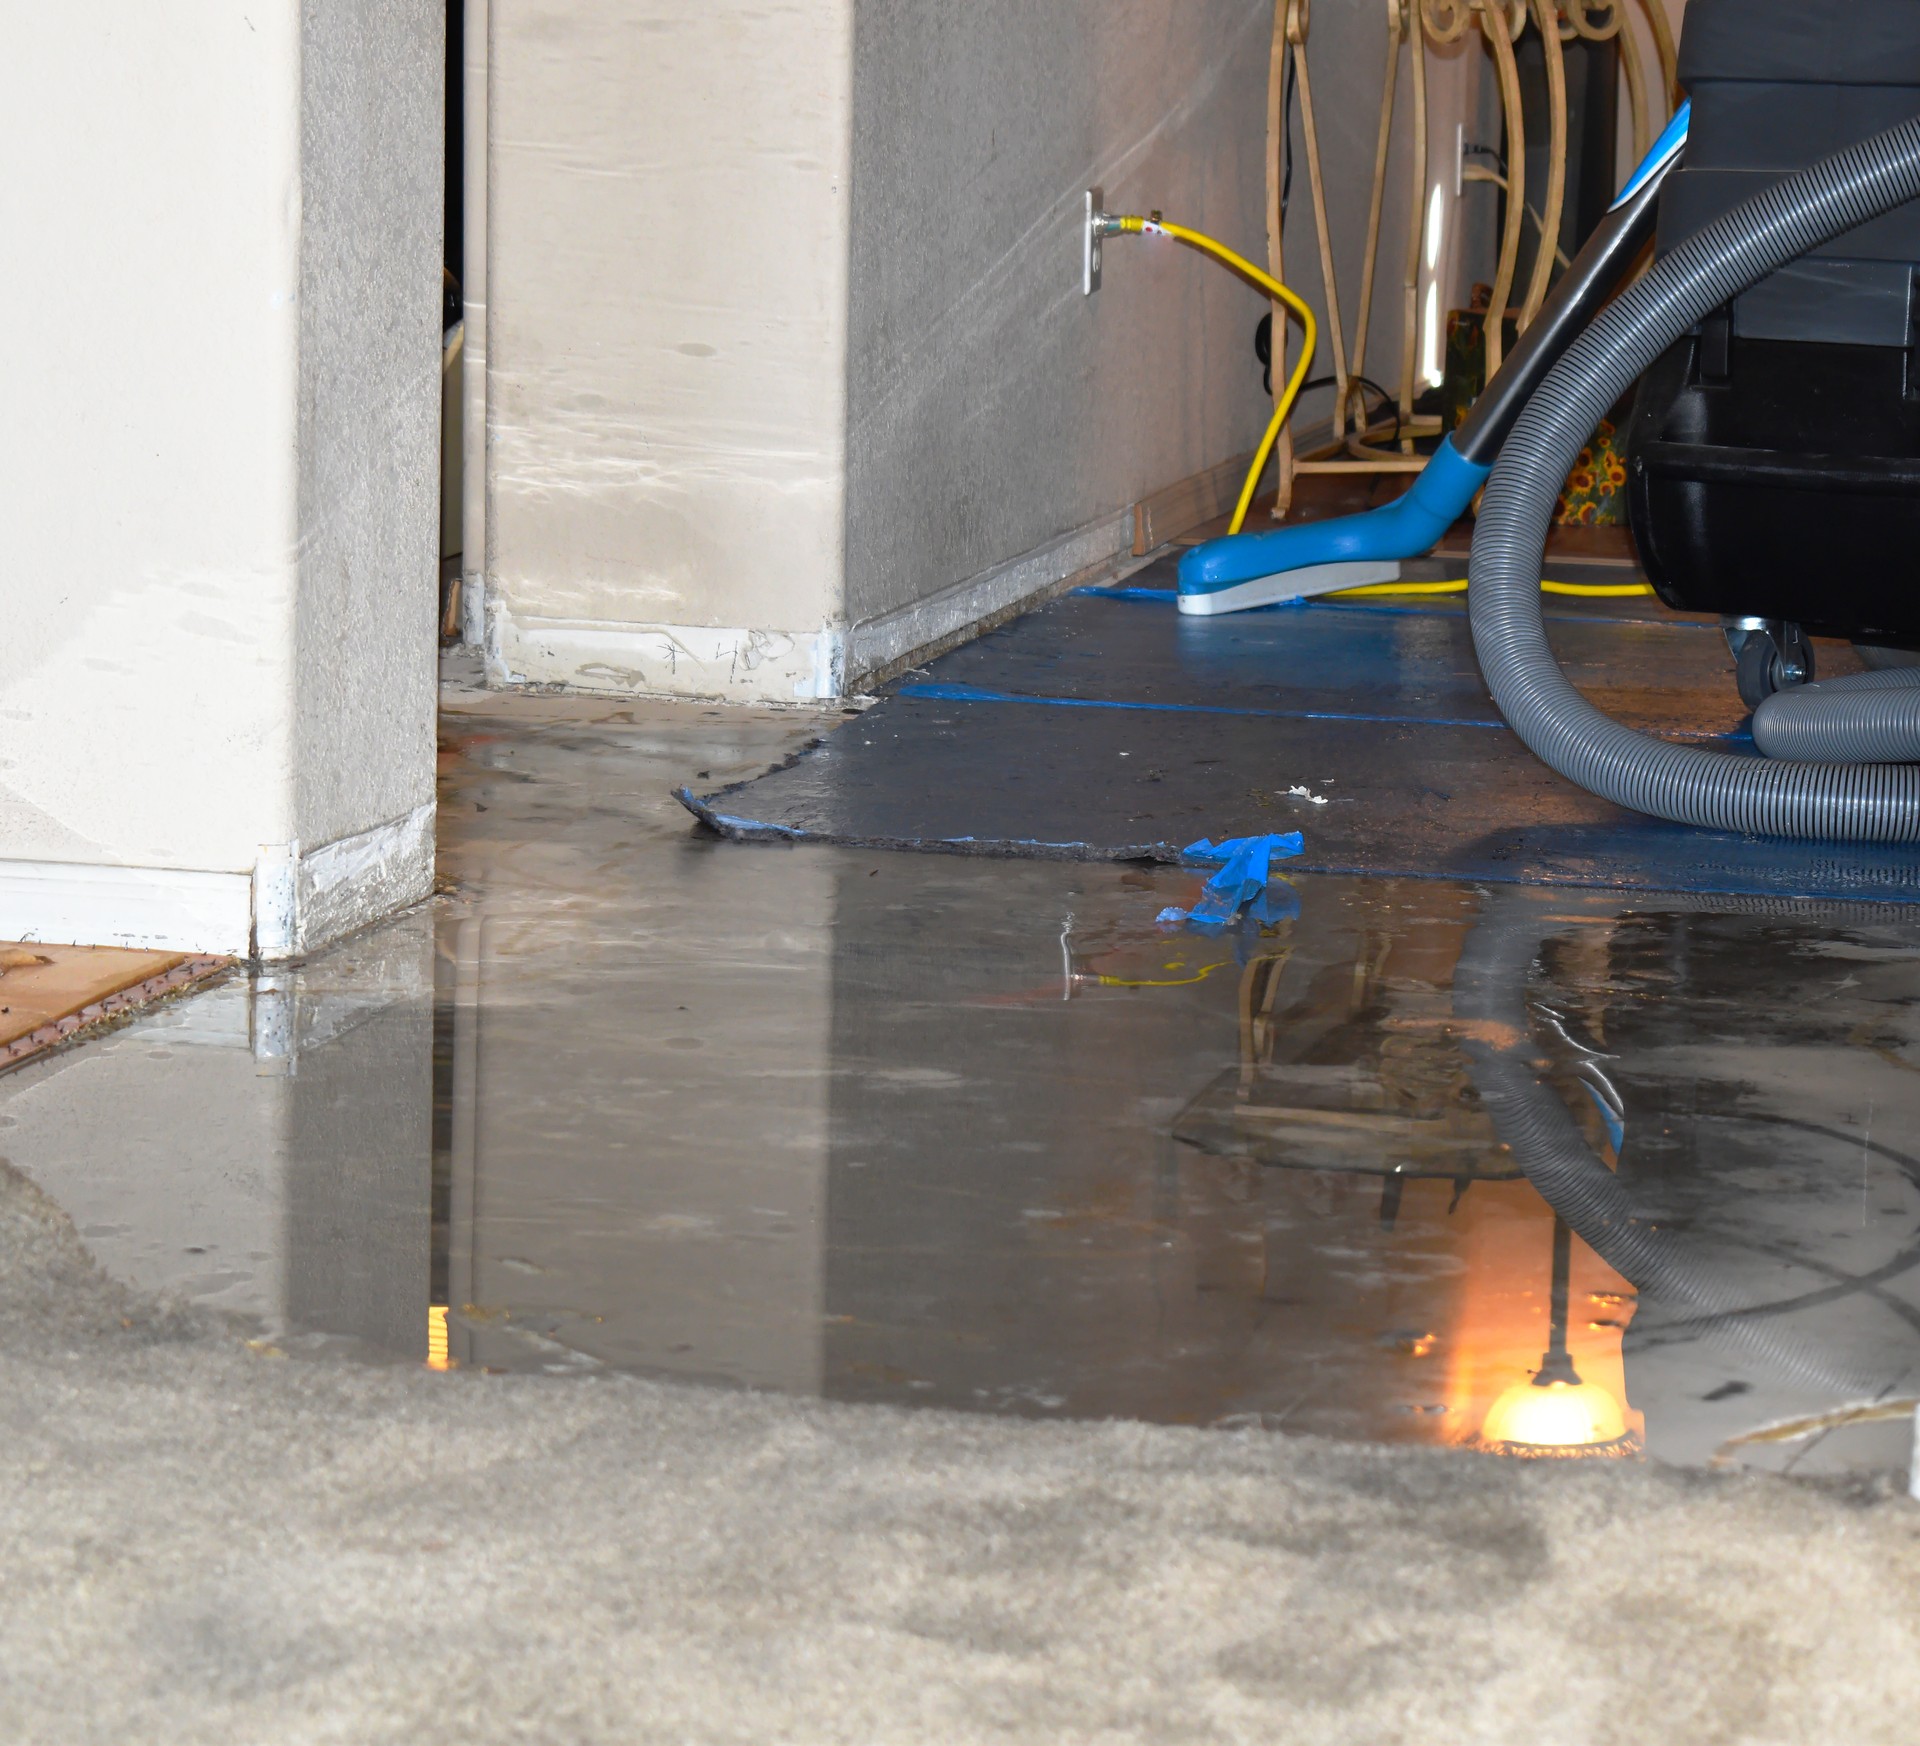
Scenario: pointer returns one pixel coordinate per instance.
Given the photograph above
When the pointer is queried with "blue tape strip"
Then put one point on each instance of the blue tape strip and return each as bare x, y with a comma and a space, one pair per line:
945, 692
1322, 603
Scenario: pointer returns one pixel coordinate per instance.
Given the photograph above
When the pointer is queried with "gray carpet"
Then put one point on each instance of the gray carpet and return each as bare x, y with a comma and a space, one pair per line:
203, 1543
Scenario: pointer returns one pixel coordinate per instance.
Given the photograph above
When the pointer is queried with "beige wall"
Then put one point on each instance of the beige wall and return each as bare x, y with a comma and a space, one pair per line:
781, 367
216, 467
666, 342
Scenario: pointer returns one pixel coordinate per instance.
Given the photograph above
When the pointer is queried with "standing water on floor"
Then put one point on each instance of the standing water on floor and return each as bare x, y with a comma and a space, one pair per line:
1540, 1172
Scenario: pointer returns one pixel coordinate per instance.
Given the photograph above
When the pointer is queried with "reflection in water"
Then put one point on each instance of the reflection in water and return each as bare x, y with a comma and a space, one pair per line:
1557, 1410
262, 1149
1422, 1164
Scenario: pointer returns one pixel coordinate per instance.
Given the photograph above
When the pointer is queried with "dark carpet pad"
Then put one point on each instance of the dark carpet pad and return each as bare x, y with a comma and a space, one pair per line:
1105, 726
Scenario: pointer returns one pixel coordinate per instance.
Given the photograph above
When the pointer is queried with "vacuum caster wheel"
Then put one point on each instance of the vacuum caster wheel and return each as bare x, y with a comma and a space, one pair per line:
1769, 656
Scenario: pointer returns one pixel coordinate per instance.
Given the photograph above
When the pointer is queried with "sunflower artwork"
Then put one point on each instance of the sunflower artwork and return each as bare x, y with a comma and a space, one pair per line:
1595, 494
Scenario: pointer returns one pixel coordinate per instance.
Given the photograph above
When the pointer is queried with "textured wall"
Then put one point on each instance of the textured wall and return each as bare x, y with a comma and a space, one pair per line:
785, 345
992, 407
666, 313
372, 86
217, 463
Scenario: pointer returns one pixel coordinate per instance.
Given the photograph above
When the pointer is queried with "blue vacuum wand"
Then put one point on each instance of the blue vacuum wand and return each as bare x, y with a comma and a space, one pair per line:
1319, 557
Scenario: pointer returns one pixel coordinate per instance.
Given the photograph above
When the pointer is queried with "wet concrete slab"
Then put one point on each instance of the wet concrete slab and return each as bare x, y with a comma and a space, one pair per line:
980, 1134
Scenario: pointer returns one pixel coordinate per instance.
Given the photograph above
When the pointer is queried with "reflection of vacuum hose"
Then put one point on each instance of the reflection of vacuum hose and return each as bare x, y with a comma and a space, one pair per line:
1490, 998
1857, 802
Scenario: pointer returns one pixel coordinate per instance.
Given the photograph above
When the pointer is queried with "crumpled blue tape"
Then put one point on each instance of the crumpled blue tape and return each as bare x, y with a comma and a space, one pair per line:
1245, 871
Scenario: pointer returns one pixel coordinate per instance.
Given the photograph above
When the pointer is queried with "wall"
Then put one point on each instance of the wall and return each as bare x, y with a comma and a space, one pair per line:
372, 202
994, 410
778, 359
216, 558
666, 340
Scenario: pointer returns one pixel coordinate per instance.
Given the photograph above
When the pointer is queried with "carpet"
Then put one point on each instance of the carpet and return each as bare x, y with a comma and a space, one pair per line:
207, 1542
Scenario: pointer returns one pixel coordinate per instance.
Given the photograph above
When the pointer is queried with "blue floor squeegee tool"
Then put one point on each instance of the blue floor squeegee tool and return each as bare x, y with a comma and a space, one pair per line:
1245, 570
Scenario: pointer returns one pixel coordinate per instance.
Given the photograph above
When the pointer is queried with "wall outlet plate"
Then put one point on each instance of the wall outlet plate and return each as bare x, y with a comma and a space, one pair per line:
1090, 240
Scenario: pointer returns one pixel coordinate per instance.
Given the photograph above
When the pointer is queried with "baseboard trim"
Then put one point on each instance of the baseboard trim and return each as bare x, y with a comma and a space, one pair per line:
290, 903
878, 646
608, 658
152, 909
1181, 507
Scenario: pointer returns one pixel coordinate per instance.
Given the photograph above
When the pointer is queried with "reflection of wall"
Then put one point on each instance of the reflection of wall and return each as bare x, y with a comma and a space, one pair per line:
639, 1082
358, 1162
1006, 1219
262, 1148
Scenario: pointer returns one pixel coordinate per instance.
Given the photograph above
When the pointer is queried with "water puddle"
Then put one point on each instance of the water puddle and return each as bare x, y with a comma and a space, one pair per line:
1551, 1174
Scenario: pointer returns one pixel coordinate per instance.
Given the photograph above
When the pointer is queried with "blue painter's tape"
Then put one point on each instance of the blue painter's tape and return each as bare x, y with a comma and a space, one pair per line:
1406, 528
1246, 869
944, 691
1389, 608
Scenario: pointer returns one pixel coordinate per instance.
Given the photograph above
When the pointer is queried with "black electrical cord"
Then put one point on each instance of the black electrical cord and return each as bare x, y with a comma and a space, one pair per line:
1391, 402
1263, 350
1286, 135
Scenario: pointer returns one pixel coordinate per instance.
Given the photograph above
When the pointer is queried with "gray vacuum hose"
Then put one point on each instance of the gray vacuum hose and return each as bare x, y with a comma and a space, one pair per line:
1865, 718
1723, 791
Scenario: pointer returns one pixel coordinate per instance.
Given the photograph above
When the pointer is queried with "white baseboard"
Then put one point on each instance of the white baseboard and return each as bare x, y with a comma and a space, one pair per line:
289, 904
616, 659
153, 909
878, 642
663, 660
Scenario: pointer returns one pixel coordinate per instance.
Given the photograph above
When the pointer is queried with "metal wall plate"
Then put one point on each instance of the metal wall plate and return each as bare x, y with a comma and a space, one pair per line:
1090, 244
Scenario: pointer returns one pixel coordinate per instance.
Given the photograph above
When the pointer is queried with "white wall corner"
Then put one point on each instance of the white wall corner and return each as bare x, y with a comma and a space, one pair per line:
304, 898
664, 660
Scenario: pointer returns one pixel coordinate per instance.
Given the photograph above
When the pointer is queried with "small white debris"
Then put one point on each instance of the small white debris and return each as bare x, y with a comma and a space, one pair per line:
1307, 794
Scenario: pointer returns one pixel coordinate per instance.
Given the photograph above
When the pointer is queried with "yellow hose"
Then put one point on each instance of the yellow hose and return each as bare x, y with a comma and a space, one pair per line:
1585, 590
1134, 224
1309, 330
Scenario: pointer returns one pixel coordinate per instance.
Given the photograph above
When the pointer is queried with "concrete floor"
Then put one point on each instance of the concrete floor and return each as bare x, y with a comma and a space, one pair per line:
957, 1145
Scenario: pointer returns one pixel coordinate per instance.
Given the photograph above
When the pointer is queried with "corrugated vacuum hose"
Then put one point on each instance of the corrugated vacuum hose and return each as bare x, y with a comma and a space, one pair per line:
1862, 799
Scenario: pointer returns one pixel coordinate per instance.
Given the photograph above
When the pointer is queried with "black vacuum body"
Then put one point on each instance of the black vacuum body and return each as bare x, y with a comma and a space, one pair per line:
1774, 453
